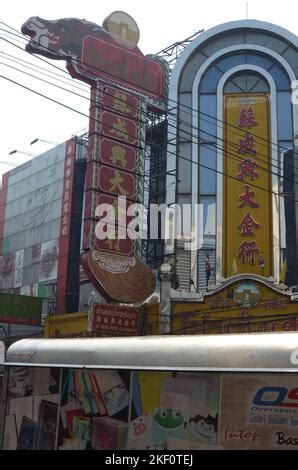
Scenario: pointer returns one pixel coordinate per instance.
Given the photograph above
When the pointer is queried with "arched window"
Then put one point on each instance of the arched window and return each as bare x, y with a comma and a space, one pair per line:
246, 82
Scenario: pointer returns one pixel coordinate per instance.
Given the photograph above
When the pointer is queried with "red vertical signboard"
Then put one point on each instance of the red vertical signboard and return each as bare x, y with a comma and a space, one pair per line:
65, 224
123, 83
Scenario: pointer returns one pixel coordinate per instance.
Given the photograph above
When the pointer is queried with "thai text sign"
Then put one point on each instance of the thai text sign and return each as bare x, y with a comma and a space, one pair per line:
242, 307
114, 320
247, 200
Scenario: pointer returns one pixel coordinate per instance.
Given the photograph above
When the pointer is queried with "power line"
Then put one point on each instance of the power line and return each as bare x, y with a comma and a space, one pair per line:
73, 109
185, 123
42, 70
217, 147
157, 146
205, 132
152, 144
256, 157
175, 102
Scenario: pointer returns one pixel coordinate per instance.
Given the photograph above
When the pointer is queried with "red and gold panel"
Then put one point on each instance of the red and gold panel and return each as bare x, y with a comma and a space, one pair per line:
120, 208
131, 68
116, 245
115, 126
115, 181
65, 224
117, 154
120, 102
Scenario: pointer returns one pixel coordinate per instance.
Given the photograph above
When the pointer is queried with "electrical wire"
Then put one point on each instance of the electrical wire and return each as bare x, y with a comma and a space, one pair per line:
230, 153
185, 123
284, 177
142, 122
185, 106
174, 154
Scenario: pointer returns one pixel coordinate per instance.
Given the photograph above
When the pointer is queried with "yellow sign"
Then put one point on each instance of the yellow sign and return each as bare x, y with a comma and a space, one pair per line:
247, 198
152, 316
242, 307
70, 325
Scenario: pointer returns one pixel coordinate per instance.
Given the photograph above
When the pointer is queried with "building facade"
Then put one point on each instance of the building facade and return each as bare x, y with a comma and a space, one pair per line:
40, 226
232, 133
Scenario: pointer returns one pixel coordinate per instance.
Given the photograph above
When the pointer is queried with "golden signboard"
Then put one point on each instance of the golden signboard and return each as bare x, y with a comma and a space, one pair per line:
244, 306
247, 199
70, 325
152, 319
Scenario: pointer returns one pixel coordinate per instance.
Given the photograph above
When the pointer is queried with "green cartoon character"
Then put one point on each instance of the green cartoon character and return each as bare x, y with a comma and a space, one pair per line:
168, 418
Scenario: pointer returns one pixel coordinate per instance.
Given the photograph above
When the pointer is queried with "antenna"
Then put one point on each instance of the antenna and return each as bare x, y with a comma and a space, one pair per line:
247, 10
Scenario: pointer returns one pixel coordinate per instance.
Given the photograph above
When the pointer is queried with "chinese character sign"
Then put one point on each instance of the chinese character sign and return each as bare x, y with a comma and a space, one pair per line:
65, 224
247, 199
123, 83
115, 320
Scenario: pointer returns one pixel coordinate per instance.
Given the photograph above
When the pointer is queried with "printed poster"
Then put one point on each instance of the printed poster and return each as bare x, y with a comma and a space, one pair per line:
259, 411
182, 415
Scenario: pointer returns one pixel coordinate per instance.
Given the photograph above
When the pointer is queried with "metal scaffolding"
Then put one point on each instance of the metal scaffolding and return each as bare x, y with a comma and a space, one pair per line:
172, 52
156, 159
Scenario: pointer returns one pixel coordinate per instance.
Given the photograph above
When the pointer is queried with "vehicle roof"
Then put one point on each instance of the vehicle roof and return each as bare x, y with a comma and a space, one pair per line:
241, 352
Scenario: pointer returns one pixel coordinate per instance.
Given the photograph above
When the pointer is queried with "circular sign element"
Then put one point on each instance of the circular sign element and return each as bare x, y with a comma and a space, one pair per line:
122, 28
247, 295
294, 357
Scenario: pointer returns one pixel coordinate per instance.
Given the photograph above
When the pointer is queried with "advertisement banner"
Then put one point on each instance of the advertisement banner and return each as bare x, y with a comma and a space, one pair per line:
49, 255
19, 263
259, 411
7, 271
20, 309
114, 320
247, 198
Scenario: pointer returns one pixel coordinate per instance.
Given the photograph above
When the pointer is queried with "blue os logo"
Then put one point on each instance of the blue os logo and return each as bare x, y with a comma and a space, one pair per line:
276, 396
